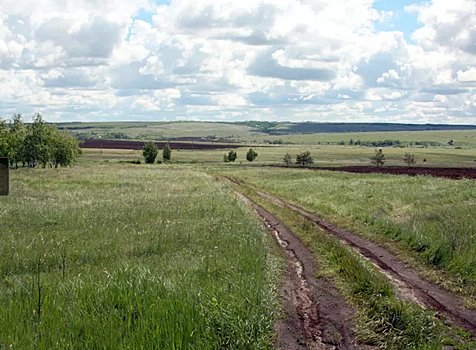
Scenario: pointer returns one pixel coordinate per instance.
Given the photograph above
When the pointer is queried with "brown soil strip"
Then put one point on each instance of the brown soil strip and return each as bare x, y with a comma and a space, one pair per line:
137, 145
426, 293
449, 173
316, 315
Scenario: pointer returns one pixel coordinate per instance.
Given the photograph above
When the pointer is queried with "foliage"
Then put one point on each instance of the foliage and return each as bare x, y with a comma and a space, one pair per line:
150, 152
409, 159
232, 156
251, 155
225, 158
287, 159
304, 159
379, 158
39, 143
167, 153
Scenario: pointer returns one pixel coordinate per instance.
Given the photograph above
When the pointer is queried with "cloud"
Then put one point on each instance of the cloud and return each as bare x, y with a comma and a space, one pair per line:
467, 76
266, 66
237, 59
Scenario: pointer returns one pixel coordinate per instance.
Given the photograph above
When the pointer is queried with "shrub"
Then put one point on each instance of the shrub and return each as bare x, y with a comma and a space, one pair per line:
232, 156
379, 158
304, 159
287, 160
150, 151
409, 159
251, 155
167, 153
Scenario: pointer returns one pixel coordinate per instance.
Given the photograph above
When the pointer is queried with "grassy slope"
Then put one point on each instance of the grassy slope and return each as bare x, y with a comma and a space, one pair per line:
167, 130
466, 138
132, 258
431, 218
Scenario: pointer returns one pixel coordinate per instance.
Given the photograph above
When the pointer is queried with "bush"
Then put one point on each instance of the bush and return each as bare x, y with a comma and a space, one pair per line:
379, 158
150, 151
409, 159
251, 155
231, 157
304, 159
287, 160
167, 153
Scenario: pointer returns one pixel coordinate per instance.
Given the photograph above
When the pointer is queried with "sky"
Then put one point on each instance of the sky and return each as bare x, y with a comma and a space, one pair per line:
399, 61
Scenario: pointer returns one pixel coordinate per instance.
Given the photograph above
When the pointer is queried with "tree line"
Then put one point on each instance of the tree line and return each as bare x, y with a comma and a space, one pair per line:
36, 144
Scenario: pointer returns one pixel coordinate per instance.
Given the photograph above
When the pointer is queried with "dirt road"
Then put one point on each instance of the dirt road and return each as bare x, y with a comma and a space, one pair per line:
430, 295
316, 317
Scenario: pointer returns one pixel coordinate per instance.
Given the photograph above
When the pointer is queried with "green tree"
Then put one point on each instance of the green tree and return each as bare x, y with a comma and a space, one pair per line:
287, 159
251, 155
304, 159
225, 158
409, 159
232, 156
379, 158
167, 153
4, 139
17, 139
150, 152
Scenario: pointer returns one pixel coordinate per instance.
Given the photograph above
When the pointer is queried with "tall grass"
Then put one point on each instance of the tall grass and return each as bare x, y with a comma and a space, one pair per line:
432, 217
132, 257
383, 319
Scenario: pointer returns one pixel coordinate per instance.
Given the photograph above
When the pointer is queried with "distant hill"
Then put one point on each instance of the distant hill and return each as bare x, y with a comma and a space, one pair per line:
311, 128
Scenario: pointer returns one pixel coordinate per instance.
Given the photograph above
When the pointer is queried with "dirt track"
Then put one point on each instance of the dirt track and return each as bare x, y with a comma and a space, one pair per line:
451, 173
316, 316
428, 294
137, 145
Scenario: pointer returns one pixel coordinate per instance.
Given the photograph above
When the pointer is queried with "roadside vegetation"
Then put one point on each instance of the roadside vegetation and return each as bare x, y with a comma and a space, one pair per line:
383, 319
110, 258
431, 219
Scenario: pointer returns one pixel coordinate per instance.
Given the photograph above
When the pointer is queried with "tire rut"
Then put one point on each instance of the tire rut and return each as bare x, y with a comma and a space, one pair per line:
407, 281
316, 315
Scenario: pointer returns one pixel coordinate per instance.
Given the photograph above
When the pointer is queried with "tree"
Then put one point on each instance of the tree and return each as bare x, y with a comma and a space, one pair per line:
150, 152
232, 156
304, 159
225, 158
409, 159
251, 155
4, 139
17, 138
287, 160
379, 158
166, 153
39, 143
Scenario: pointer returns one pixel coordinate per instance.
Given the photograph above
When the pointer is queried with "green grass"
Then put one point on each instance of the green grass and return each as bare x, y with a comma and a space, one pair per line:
323, 156
465, 138
236, 132
128, 257
382, 319
158, 131
431, 219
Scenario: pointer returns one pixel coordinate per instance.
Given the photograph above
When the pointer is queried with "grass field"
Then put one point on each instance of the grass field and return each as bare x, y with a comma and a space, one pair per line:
465, 138
159, 131
383, 319
431, 218
323, 155
244, 133
127, 257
